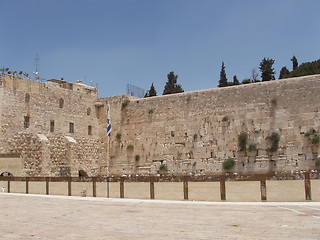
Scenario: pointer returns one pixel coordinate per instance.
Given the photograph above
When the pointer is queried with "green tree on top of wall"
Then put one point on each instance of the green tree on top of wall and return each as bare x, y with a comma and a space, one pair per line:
171, 85
152, 92
294, 63
223, 81
283, 72
304, 69
267, 71
235, 80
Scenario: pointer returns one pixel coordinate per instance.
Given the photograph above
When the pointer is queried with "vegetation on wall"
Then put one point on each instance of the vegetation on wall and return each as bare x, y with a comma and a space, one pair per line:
318, 163
118, 136
242, 141
137, 157
163, 167
274, 140
228, 164
314, 137
124, 104
130, 147
252, 148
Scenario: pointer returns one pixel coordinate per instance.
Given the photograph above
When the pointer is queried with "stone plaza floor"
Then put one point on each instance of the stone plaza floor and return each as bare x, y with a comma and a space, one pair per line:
57, 217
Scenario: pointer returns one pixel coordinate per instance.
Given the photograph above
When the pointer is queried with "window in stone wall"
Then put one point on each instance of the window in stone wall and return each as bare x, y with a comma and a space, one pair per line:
27, 98
90, 130
88, 111
98, 110
51, 126
71, 127
61, 103
26, 122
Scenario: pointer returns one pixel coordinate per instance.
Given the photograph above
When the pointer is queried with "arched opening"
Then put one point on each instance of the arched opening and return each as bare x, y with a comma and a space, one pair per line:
82, 173
6, 174
61, 103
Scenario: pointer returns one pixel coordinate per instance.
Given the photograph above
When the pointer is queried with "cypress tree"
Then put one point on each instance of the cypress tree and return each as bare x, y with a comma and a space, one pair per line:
152, 92
223, 82
235, 80
294, 62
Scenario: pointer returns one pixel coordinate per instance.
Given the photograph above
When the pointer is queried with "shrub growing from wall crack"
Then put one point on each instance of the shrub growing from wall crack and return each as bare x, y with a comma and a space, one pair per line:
124, 104
242, 141
118, 136
163, 167
228, 164
252, 148
274, 140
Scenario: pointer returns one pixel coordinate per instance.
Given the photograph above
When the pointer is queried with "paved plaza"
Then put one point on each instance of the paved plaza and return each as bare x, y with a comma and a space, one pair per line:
57, 217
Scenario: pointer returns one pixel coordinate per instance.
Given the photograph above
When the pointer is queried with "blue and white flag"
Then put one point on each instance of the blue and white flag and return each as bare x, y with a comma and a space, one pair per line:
108, 122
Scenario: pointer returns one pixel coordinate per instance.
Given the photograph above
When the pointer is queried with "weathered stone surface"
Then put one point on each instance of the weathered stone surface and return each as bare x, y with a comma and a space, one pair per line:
202, 127
191, 132
45, 152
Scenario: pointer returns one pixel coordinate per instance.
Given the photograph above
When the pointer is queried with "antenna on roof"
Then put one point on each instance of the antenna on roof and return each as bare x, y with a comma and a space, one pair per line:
36, 63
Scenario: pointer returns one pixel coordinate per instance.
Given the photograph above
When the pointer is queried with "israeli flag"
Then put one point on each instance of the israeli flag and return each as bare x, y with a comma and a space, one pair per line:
108, 122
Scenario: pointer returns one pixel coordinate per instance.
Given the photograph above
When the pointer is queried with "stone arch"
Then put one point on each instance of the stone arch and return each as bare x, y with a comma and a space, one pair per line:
6, 174
82, 173
61, 103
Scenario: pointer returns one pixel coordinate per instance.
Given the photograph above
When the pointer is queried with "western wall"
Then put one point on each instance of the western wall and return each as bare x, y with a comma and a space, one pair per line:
195, 132
57, 128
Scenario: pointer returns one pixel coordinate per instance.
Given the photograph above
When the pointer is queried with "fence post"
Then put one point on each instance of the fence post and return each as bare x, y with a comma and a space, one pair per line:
121, 187
108, 187
151, 188
263, 189
47, 185
9, 186
94, 187
69, 186
307, 185
223, 187
27, 185
185, 188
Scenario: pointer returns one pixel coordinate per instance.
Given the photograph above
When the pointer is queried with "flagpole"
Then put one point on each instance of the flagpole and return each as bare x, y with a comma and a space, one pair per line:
109, 128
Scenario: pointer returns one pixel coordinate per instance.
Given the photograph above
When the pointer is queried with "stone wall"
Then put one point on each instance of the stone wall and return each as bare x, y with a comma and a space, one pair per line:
196, 131
49, 150
193, 132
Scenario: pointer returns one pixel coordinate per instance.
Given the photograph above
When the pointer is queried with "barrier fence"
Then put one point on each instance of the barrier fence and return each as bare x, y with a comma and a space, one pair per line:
185, 181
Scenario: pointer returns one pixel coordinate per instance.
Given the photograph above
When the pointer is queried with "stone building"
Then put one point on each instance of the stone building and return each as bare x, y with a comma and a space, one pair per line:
49, 128
57, 128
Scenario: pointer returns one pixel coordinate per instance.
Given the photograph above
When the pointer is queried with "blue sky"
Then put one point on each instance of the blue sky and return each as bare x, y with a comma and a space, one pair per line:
139, 42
